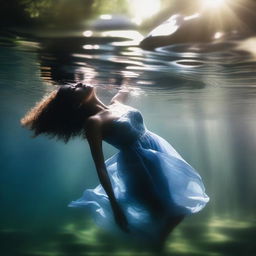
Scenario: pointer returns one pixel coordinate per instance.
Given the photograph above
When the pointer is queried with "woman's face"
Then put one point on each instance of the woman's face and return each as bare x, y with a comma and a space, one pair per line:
80, 92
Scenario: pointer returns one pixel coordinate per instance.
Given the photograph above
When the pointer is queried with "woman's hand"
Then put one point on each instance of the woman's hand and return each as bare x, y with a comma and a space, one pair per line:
120, 218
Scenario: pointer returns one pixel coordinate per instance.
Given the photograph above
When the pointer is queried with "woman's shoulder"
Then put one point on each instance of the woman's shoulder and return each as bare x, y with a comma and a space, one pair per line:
113, 112
98, 120
93, 125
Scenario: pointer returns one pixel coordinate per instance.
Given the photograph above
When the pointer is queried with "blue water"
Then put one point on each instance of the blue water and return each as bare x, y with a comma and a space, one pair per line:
201, 98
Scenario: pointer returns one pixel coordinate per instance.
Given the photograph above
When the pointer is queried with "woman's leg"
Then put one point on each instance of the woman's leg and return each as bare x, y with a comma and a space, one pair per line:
169, 226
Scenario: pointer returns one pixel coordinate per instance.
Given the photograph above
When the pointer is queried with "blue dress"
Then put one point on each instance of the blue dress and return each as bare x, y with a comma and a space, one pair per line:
151, 181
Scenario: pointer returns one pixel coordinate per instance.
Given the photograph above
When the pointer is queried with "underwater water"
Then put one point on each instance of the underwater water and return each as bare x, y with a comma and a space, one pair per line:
199, 97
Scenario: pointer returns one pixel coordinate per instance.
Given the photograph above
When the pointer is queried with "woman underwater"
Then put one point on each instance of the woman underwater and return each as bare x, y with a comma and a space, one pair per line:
146, 188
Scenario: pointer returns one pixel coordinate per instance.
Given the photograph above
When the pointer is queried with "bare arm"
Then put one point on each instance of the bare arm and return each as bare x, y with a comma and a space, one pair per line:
95, 141
94, 137
121, 96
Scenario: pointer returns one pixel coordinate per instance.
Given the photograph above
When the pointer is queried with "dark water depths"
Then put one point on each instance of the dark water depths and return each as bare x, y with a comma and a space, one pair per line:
201, 98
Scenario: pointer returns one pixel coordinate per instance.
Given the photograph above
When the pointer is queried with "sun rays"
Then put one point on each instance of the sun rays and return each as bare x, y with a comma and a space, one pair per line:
226, 15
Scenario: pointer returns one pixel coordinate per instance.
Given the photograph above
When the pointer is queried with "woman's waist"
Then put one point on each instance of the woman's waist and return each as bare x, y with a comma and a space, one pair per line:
129, 140
143, 139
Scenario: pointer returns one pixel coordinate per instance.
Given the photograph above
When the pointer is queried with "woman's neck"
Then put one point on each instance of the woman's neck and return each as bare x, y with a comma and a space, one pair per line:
95, 105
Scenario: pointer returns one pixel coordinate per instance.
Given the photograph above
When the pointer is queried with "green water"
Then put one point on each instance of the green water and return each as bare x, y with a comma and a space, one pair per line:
203, 103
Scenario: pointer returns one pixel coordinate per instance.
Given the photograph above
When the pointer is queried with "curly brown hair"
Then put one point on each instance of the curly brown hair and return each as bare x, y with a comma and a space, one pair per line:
57, 115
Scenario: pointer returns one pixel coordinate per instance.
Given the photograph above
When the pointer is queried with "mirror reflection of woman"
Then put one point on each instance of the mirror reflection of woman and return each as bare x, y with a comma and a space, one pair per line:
146, 188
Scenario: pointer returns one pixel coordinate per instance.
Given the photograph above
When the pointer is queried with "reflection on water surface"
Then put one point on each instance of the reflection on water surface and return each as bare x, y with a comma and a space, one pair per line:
200, 97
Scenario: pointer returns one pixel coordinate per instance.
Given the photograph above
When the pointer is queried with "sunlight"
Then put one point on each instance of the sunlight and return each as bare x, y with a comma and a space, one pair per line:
222, 14
213, 3
87, 33
106, 17
143, 9
218, 35
129, 34
248, 45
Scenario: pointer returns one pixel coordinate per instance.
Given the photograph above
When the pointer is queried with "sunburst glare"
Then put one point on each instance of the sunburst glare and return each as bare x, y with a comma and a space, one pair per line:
143, 9
223, 14
213, 3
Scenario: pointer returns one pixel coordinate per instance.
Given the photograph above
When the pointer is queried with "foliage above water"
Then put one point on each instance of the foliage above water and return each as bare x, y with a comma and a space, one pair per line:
58, 12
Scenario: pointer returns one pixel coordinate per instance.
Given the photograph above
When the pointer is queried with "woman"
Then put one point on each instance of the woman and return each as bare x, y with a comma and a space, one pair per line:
147, 187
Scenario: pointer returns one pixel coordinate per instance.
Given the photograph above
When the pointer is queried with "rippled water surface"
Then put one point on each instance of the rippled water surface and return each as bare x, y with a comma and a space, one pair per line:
200, 97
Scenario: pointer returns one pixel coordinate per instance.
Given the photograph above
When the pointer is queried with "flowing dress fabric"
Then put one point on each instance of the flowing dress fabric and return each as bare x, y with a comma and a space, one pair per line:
151, 181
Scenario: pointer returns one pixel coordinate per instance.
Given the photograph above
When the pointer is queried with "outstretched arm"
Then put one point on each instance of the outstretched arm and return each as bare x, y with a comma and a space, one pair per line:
94, 138
121, 96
